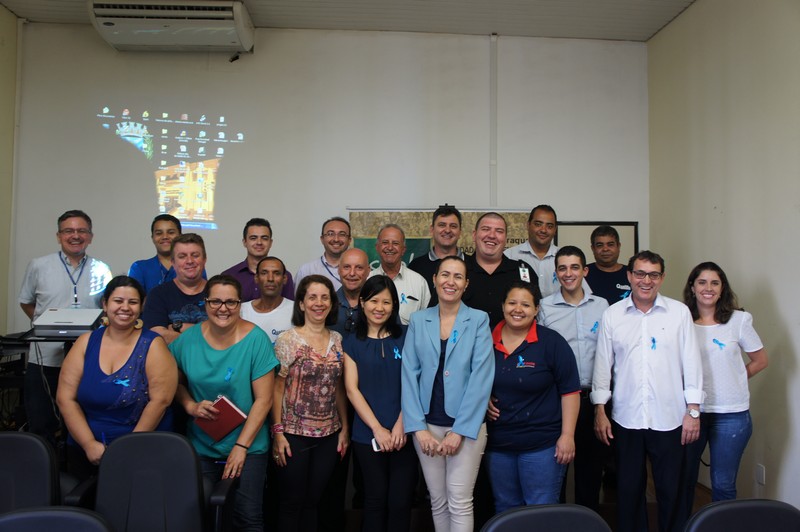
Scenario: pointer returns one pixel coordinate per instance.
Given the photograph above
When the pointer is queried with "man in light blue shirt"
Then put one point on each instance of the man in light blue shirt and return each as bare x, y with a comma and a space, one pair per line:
575, 313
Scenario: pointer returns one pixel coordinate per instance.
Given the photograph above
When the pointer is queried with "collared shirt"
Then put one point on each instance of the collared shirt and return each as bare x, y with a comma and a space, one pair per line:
150, 273
346, 321
412, 290
426, 265
485, 290
250, 290
319, 267
52, 282
545, 267
655, 362
578, 324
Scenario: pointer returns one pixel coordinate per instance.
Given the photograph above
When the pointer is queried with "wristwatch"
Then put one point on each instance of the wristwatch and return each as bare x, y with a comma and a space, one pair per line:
177, 325
693, 413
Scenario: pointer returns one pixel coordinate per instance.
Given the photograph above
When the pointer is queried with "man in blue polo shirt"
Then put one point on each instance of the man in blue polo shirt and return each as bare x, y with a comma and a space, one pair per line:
157, 270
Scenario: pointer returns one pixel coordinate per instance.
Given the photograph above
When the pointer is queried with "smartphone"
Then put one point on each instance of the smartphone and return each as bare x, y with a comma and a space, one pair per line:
375, 446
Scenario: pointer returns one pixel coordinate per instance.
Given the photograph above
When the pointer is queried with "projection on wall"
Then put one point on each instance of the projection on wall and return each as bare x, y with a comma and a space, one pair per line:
186, 152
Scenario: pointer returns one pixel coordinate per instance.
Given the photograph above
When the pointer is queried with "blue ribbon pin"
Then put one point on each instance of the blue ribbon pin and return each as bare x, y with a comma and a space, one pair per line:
555, 279
403, 299
397, 353
454, 337
653, 343
229, 375
126, 383
595, 327
719, 344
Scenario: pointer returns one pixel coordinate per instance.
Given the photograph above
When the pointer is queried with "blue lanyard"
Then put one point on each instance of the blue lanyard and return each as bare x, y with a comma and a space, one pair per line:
72, 279
325, 265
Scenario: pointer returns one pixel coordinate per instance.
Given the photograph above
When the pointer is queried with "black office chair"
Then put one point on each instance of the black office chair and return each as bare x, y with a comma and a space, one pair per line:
745, 515
28, 472
547, 518
50, 518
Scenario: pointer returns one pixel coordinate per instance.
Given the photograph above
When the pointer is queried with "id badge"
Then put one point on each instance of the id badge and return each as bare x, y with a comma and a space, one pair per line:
524, 274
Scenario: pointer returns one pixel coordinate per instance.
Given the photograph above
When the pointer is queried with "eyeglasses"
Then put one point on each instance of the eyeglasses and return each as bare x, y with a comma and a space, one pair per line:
215, 304
340, 234
70, 231
640, 274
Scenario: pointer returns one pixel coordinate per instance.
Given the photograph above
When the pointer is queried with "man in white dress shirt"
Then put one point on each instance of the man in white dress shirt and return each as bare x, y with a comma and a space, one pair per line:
647, 344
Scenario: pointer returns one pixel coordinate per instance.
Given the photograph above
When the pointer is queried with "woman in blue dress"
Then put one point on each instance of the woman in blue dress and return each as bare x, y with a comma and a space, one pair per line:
372, 367
117, 379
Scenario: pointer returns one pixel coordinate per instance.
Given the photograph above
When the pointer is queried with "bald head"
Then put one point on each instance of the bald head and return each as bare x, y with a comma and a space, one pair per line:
353, 270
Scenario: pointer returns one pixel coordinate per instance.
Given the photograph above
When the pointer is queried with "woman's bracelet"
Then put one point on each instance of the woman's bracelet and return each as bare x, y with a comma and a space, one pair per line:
245, 447
277, 428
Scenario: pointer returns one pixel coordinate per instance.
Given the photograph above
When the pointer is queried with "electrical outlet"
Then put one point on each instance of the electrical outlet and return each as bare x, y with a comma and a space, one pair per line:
761, 474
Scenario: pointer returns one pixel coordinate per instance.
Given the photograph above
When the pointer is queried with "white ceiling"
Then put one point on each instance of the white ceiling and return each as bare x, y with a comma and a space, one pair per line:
627, 20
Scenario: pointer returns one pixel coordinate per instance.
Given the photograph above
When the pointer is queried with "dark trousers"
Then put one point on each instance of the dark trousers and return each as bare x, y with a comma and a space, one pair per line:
666, 458
44, 419
303, 481
590, 456
389, 482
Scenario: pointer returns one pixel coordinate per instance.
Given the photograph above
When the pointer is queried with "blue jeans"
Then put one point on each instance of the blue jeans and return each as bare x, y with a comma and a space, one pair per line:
524, 478
248, 513
727, 436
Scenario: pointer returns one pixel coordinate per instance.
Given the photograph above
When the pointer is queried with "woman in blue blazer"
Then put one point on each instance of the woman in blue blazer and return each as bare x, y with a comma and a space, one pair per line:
447, 374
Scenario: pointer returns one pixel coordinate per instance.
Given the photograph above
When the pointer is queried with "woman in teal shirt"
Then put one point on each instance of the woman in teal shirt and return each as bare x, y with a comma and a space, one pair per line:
228, 356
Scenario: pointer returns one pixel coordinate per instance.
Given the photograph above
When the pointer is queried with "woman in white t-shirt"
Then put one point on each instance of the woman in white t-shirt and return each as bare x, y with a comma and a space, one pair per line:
723, 333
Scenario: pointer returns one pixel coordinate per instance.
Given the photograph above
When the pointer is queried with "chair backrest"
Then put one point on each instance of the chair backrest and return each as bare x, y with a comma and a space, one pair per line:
50, 518
745, 515
547, 518
151, 482
28, 471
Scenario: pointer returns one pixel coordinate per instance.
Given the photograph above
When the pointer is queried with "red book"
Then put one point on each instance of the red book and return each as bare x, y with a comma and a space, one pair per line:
229, 417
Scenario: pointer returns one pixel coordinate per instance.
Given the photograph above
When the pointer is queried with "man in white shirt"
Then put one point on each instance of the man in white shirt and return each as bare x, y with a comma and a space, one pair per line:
271, 311
575, 314
411, 287
335, 239
539, 251
647, 344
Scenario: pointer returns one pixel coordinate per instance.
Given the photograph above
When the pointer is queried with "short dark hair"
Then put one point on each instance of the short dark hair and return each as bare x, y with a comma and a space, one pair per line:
374, 286
451, 258
532, 288
256, 222
491, 214
571, 251
647, 256
123, 281
165, 218
298, 317
258, 266
188, 238
545, 208
224, 280
335, 219
604, 230
727, 302
74, 213
446, 210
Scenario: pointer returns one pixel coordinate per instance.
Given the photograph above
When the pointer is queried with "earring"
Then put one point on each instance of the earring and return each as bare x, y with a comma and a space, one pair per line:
104, 321
139, 324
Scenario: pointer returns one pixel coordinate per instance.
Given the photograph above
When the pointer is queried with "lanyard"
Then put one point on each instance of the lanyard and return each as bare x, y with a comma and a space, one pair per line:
325, 265
74, 281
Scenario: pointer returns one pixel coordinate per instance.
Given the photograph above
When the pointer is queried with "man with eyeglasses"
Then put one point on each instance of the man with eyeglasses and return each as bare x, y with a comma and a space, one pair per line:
412, 290
66, 279
354, 272
257, 240
335, 239
171, 308
607, 277
272, 312
539, 250
647, 343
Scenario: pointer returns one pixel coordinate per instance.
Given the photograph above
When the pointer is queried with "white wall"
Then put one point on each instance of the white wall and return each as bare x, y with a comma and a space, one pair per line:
333, 120
725, 182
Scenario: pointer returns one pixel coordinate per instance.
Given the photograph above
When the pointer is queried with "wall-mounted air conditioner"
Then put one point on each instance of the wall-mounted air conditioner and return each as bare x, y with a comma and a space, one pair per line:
174, 25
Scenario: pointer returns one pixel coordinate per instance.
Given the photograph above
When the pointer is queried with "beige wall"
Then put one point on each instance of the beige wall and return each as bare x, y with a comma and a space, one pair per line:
8, 82
724, 96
